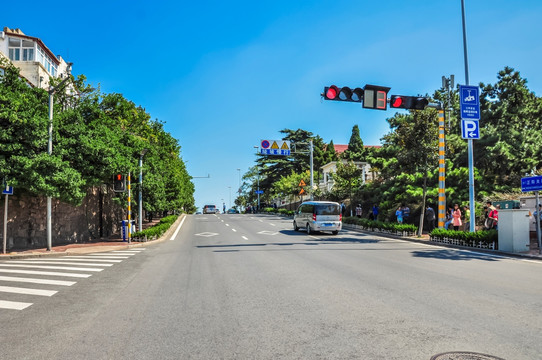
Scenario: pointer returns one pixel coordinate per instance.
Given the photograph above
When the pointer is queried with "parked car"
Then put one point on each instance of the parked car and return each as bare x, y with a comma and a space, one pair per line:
209, 209
233, 211
318, 216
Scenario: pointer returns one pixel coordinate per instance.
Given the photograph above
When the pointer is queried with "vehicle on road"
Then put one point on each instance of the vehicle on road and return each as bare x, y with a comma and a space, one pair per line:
233, 211
318, 216
209, 209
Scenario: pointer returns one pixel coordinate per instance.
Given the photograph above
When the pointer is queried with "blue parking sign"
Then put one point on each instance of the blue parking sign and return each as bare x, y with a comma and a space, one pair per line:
469, 102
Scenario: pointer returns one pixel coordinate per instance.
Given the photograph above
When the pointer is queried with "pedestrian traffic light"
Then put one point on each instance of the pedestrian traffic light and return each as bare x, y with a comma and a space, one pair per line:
343, 94
119, 183
408, 102
375, 97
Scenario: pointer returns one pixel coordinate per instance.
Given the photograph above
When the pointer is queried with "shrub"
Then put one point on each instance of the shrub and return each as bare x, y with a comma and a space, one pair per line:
157, 230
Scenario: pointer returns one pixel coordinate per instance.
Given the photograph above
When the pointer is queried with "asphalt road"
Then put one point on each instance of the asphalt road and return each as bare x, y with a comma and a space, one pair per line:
249, 287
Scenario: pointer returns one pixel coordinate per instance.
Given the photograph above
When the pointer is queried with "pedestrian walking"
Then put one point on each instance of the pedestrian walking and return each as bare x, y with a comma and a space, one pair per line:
406, 213
449, 217
430, 217
375, 212
359, 210
343, 208
456, 217
399, 214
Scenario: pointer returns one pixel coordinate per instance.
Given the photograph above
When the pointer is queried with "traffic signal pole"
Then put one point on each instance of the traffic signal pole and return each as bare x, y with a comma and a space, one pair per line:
129, 212
441, 169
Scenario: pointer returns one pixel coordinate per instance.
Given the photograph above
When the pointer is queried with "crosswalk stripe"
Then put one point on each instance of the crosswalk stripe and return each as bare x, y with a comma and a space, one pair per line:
127, 251
53, 273
14, 305
26, 291
76, 258
37, 281
111, 254
99, 257
51, 267
57, 263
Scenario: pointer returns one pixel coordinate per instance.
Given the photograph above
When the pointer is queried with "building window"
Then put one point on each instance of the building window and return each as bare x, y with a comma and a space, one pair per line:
18, 47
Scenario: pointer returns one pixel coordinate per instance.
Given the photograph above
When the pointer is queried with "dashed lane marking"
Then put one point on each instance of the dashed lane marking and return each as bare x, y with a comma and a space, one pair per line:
244, 237
177, 230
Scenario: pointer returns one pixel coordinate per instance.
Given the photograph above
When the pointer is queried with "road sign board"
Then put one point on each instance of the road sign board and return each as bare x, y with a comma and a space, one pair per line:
302, 183
258, 192
8, 190
469, 102
275, 147
470, 129
531, 183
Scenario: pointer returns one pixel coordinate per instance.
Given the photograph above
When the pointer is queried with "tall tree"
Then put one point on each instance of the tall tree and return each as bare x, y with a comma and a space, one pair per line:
356, 149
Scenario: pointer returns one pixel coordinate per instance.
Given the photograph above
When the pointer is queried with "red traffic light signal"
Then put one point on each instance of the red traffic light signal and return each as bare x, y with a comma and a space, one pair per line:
343, 94
408, 102
119, 183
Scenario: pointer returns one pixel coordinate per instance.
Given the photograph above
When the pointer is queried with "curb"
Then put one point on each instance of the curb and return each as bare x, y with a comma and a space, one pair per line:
429, 242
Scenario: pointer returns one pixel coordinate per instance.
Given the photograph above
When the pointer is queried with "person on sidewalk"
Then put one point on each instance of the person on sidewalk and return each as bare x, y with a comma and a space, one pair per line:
430, 216
456, 217
399, 214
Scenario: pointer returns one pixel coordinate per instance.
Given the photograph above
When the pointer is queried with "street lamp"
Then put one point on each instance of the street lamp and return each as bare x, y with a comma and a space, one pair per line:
52, 91
143, 152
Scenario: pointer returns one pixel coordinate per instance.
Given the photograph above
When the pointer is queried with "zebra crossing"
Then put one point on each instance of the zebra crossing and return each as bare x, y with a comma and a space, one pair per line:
49, 276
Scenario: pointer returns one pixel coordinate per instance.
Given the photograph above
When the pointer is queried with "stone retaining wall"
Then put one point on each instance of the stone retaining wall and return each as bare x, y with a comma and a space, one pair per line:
97, 217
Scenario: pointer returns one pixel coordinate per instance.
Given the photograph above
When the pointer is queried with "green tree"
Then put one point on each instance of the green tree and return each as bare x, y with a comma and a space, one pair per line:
356, 149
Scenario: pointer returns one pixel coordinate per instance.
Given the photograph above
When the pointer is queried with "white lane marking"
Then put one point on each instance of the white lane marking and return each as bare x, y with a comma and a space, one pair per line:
233, 230
272, 224
260, 220
37, 281
53, 273
103, 257
54, 262
244, 237
177, 230
227, 224
26, 291
80, 258
127, 252
313, 237
52, 267
111, 256
13, 305
222, 220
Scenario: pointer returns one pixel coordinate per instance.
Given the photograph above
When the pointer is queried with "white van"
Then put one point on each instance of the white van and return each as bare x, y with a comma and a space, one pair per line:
318, 216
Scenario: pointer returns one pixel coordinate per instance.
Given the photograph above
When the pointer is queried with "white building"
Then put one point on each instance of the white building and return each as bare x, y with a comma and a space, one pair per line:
330, 168
36, 62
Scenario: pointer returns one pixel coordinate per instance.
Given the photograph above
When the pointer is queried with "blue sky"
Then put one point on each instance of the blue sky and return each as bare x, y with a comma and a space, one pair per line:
223, 75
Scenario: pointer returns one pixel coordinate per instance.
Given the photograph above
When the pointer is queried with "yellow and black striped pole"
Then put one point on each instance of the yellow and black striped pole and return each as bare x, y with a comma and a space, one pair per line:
441, 170
129, 212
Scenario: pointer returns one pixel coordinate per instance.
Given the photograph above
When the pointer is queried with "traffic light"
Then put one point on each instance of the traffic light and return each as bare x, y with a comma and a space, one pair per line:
408, 102
119, 183
343, 94
375, 97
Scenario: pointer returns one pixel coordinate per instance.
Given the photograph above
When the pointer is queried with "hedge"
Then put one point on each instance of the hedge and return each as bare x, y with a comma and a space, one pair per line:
157, 230
465, 238
381, 226
278, 211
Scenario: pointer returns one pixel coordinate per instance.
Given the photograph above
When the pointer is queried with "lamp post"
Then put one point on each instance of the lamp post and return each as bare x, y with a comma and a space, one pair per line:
229, 187
258, 169
52, 91
140, 202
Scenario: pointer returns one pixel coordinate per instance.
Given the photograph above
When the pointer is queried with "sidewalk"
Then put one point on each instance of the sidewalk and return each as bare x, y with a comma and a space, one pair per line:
114, 242
532, 254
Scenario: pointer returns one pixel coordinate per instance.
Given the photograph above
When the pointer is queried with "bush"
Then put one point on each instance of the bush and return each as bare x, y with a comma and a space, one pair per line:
157, 230
484, 237
381, 225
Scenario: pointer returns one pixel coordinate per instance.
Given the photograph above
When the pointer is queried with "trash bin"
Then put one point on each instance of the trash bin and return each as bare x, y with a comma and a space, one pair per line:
124, 229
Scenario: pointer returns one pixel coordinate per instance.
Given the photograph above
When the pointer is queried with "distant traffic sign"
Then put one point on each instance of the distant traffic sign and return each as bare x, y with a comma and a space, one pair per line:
258, 192
275, 147
7, 190
470, 129
470, 102
531, 183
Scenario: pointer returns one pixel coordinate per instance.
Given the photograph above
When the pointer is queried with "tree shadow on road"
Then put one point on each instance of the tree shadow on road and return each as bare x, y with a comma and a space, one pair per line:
451, 254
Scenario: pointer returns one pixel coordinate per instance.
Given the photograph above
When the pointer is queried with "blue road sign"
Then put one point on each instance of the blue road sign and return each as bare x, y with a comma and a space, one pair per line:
469, 102
258, 192
470, 129
8, 190
531, 183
